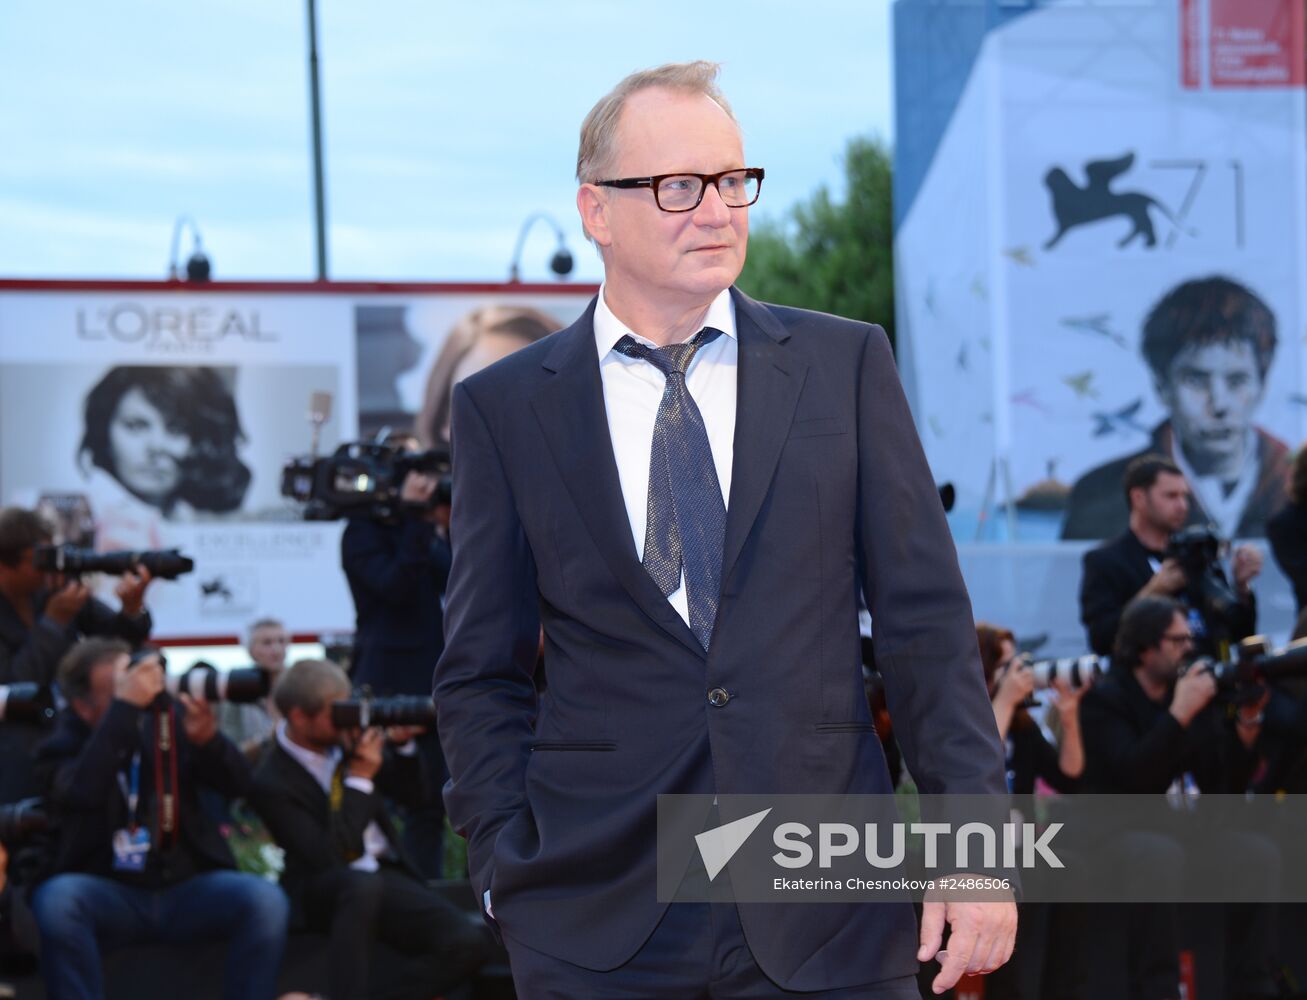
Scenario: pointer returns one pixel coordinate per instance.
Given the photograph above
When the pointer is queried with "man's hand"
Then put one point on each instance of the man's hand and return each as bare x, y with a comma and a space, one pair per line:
66, 603
140, 684
1192, 694
418, 488
199, 723
1247, 566
365, 760
130, 591
399, 735
981, 938
1168, 580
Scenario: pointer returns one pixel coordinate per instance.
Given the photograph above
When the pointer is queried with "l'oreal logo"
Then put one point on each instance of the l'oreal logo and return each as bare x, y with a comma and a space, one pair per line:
178, 328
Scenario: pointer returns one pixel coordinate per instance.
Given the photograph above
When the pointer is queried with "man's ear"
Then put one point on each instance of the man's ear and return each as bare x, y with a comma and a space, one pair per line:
592, 203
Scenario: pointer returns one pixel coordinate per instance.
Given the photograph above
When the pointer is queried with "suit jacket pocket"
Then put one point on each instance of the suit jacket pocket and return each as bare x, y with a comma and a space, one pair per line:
818, 427
845, 727
574, 745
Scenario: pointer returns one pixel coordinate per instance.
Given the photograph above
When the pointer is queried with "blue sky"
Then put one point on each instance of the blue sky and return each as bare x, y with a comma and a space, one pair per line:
446, 124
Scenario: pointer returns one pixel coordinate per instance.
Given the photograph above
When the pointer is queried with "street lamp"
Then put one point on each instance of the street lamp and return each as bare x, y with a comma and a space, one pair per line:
198, 267
560, 263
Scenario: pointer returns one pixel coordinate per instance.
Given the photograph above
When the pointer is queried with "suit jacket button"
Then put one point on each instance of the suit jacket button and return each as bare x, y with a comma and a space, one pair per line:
718, 697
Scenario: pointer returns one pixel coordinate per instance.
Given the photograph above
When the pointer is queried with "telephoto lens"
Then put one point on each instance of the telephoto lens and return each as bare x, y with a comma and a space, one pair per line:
205, 682
26, 701
399, 710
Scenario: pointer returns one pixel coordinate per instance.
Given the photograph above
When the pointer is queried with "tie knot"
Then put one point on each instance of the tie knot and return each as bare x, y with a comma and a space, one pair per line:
672, 359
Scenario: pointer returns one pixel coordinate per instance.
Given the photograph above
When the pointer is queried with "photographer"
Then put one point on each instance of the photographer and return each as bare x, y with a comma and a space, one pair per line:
250, 725
1049, 949
1150, 727
397, 572
41, 616
136, 861
1137, 564
319, 790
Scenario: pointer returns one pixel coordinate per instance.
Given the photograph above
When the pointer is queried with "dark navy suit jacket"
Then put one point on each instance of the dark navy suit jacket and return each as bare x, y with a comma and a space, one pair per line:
830, 492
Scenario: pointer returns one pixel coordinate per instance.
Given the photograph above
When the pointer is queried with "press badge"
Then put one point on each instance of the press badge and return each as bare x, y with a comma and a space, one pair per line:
130, 849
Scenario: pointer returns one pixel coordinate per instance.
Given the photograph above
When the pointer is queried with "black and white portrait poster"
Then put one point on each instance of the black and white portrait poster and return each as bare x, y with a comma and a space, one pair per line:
173, 415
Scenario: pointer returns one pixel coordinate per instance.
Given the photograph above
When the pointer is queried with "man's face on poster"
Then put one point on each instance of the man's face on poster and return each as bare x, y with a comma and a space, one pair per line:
1212, 391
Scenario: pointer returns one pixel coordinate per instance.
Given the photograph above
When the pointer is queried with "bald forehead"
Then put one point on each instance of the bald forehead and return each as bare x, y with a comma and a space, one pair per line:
651, 115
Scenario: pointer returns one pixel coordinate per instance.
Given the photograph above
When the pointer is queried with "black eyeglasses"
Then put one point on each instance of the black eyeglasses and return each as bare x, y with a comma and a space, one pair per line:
1183, 638
684, 192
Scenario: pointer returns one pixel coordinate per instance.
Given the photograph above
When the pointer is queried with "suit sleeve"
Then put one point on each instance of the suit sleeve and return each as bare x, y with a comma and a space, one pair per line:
37, 657
319, 839
484, 686
98, 619
81, 776
921, 616
387, 569
1101, 602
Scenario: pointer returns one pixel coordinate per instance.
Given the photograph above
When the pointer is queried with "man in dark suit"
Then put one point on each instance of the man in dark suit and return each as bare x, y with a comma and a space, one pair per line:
1136, 564
1209, 345
136, 859
687, 488
396, 571
346, 869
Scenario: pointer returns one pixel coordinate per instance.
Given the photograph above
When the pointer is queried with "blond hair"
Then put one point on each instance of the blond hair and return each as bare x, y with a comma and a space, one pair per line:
598, 147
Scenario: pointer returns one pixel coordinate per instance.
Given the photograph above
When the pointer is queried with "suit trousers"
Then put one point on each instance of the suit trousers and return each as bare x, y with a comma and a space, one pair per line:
358, 908
697, 952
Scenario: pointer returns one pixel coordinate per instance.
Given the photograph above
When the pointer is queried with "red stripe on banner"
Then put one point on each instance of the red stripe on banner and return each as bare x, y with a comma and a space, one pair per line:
1191, 68
302, 287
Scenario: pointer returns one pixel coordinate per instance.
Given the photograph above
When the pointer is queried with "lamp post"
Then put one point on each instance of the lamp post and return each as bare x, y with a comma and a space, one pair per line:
560, 263
198, 267
315, 123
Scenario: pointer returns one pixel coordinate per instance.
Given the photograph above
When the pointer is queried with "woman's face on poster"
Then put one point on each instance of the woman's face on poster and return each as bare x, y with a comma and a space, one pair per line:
147, 453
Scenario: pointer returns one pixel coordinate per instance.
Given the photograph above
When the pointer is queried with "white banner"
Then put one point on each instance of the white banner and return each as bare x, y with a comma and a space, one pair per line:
173, 412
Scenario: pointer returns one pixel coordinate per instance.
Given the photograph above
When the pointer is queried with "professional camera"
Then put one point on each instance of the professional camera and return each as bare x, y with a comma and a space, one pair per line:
399, 710
26, 701
361, 478
163, 564
19, 820
1076, 671
1198, 551
205, 682
1255, 664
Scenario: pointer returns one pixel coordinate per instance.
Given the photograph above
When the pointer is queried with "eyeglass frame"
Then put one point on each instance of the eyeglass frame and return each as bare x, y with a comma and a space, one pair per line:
653, 182
1188, 637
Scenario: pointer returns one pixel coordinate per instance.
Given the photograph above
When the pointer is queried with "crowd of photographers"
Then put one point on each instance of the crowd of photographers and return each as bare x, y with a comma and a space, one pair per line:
136, 769
119, 779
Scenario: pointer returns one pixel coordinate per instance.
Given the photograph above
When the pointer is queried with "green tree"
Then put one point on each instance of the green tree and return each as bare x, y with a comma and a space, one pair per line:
833, 256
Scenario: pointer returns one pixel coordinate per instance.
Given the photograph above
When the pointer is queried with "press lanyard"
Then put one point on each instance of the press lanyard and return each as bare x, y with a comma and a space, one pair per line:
132, 789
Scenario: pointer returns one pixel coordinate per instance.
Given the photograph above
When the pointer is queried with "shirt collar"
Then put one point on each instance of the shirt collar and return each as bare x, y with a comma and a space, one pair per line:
312, 761
609, 329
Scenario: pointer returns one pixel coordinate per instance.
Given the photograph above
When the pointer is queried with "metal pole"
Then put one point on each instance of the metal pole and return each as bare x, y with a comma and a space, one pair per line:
319, 196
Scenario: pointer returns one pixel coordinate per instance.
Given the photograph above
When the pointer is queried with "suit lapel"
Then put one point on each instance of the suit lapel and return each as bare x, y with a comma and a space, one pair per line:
769, 381
570, 408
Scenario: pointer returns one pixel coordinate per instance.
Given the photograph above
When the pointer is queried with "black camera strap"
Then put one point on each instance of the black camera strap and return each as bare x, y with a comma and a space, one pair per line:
166, 796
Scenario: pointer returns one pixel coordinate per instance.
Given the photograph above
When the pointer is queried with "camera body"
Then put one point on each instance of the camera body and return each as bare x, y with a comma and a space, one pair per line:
163, 564
21, 820
362, 478
26, 701
1197, 550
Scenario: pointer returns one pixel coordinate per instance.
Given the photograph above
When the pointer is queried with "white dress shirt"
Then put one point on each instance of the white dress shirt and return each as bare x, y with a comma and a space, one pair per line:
633, 389
322, 766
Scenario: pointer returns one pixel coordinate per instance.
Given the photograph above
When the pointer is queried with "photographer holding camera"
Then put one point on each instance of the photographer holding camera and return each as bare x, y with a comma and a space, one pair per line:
397, 570
136, 860
41, 615
1151, 726
1143, 563
320, 791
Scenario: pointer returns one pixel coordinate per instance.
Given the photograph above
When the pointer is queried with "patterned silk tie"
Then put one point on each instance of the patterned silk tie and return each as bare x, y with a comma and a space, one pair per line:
686, 522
